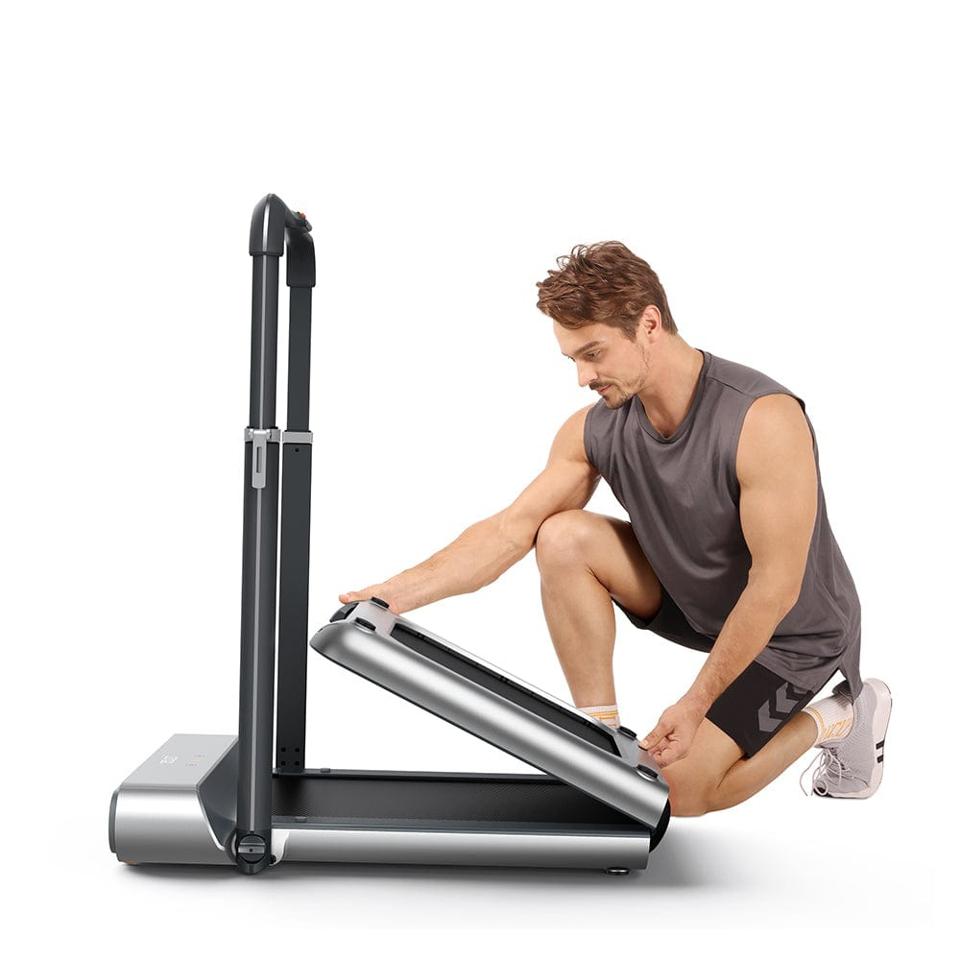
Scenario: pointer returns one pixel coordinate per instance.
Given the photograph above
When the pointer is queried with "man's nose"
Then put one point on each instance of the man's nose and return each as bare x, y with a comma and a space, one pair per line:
585, 376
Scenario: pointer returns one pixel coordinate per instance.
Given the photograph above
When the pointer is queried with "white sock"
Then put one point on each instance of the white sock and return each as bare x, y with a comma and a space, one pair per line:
834, 717
608, 714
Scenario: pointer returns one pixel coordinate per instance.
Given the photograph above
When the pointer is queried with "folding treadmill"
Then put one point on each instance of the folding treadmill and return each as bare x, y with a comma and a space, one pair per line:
221, 799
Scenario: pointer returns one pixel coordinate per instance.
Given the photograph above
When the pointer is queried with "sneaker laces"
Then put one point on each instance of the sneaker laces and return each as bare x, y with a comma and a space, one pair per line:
830, 768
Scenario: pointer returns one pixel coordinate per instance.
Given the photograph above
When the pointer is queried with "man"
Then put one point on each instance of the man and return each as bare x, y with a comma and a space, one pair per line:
728, 549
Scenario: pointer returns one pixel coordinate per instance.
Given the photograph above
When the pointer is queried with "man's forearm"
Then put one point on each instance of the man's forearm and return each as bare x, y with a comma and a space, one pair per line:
745, 633
475, 559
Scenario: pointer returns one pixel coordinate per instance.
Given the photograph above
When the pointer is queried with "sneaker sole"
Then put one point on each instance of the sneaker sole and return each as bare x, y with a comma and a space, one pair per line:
881, 720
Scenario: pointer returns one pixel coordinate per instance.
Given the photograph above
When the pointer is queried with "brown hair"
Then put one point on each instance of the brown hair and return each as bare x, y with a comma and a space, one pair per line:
603, 283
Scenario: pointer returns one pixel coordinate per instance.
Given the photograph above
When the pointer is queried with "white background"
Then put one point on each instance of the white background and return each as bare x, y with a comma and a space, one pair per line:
789, 171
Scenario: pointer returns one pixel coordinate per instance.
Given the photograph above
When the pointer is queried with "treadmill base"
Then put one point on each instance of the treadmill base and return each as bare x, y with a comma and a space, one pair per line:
180, 807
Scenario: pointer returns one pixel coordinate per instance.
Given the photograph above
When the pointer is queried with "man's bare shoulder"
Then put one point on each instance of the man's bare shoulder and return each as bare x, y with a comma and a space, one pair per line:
569, 442
774, 434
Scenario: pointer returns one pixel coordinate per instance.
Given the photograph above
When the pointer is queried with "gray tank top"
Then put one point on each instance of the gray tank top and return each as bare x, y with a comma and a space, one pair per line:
682, 496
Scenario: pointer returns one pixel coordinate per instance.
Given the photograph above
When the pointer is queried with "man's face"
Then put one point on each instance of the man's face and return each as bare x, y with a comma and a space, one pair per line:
606, 360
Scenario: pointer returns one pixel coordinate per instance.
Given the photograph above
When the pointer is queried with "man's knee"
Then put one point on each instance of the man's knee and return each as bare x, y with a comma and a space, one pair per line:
562, 537
689, 795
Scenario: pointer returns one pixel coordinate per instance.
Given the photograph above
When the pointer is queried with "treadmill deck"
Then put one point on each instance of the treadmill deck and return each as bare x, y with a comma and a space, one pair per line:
463, 801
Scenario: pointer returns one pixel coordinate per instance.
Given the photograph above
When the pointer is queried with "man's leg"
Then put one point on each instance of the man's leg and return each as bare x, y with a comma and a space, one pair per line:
740, 723
749, 775
585, 559
749, 712
714, 774
742, 718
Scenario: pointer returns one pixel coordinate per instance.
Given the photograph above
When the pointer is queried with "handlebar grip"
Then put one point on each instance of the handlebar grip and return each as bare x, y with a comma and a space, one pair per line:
271, 217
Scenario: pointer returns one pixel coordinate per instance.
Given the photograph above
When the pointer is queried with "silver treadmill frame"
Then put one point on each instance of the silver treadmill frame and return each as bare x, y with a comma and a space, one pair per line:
177, 807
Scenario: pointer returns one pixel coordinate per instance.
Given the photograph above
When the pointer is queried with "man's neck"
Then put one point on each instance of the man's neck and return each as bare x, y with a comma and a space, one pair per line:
669, 392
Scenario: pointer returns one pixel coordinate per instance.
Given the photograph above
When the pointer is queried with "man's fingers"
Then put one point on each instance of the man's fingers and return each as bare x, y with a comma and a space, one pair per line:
654, 736
350, 595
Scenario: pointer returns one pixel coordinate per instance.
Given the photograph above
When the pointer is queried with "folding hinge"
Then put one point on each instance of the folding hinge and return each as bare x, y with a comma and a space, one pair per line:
260, 439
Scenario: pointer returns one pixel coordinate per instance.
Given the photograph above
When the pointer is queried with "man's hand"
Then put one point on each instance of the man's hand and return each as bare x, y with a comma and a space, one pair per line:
671, 739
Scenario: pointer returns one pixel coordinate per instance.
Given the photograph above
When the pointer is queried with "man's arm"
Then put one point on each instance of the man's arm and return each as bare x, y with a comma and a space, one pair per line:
491, 546
778, 507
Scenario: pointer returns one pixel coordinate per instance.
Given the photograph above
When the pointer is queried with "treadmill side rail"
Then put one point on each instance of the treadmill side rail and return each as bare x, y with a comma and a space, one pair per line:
438, 847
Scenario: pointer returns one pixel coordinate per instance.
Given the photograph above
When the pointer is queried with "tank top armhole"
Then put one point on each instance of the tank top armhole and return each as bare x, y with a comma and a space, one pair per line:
733, 481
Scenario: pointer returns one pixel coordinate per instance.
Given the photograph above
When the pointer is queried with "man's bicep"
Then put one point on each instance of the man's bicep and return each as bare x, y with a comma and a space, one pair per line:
778, 492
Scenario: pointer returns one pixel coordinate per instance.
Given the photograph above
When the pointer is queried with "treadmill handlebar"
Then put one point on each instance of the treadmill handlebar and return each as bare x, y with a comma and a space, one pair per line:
274, 229
271, 219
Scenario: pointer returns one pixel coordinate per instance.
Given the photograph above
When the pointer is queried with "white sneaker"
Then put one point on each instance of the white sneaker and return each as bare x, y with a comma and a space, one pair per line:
852, 767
